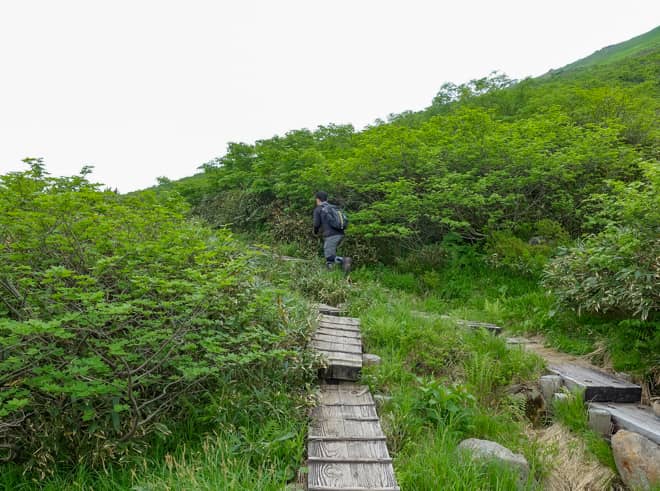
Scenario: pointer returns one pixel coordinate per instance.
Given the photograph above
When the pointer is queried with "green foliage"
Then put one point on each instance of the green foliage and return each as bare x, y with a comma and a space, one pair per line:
617, 269
572, 413
120, 318
441, 403
508, 251
487, 155
438, 376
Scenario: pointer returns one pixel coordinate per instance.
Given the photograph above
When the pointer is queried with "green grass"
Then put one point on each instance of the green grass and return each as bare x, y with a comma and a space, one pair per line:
446, 383
610, 54
257, 442
572, 413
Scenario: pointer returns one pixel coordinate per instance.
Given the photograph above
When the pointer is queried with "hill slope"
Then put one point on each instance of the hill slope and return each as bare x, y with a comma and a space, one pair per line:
649, 41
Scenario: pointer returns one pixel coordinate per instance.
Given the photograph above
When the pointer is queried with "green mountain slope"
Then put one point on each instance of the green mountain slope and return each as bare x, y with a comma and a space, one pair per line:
649, 41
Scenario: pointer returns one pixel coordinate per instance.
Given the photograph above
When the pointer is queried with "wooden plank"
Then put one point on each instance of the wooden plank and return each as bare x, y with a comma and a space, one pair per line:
480, 325
342, 333
335, 347
340, 327
349, 395
349, 449
348, 460
331, 338
341, 347
346, 412
345, 372
339, 358
346, 446
633, 417
598, 386
352, 476
331, 319
329, 310
344, 438
323, 488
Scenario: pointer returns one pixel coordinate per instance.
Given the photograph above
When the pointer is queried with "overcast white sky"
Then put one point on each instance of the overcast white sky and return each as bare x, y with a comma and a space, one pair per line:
147, 88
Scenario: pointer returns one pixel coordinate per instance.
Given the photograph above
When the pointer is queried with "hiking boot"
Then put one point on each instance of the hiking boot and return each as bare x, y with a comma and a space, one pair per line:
346, 265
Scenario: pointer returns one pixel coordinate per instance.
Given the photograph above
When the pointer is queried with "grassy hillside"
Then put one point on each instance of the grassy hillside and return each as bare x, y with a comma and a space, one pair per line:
142, 349
646, 42
569, 160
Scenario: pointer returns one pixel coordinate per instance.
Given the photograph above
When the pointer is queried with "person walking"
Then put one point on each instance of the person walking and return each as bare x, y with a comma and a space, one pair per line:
331, 222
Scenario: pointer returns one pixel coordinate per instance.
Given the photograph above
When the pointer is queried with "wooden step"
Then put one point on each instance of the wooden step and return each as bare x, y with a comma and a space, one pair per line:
632, 417
346, 447
344, 321
339, 342
598, 386
330, 310
497, 330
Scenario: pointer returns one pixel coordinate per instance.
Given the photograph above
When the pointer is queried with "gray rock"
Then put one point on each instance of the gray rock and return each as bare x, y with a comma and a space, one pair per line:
549, 385
637, 460
655, 406
559, 396
487, 450
382, 399
368, 359
600, 421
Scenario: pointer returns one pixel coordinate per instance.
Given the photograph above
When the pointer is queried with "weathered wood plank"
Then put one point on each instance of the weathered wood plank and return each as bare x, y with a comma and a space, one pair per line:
348, 460
633, 417
598, 386
480, 325
345, 412
330, 310
341, 347
340, 372
342, 333
335, 347
348, 449
346, 395
344, 429
348, 359
352, 476
331, 338
340, 327
346, 445
324, 488
349, 321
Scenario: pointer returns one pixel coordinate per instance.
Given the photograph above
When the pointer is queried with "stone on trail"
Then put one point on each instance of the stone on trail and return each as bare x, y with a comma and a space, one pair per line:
637, 459
368, 359
600, 421
487, 450
550, 384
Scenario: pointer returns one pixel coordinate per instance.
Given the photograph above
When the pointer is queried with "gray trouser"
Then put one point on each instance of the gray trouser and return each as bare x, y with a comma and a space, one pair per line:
330, 245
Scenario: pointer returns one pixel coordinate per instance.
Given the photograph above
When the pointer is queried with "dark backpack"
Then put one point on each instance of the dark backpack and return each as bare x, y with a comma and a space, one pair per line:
334, 217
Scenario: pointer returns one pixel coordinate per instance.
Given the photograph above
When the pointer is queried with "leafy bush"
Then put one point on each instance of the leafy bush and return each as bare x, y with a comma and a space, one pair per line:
442, 404
507, 251
120, 317
616, 270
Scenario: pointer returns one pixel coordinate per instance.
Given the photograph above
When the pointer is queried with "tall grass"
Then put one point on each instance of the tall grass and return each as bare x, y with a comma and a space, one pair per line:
573, 414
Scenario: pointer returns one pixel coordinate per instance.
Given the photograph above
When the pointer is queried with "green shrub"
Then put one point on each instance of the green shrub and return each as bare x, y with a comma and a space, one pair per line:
617, 270
120, 318
507, 251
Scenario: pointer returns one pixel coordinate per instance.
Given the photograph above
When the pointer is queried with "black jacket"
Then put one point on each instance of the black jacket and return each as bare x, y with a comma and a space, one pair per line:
320, 223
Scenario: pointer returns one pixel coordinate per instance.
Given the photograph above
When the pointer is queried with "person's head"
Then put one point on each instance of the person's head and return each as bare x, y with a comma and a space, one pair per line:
321, 196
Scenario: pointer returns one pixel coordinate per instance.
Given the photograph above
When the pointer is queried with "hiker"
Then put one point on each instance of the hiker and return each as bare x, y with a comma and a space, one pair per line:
331, 222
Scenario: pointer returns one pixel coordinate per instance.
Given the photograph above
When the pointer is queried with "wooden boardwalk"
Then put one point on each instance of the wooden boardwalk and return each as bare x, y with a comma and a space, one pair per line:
339, 340
346, 446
